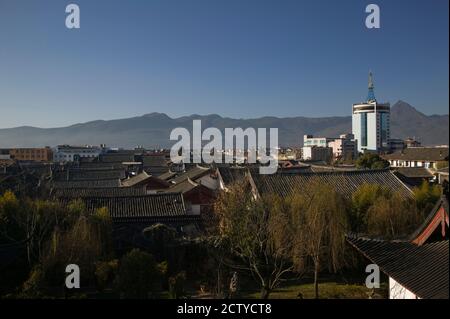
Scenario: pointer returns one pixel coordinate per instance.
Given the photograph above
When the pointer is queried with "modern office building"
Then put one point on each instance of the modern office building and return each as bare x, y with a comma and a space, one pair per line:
371, 123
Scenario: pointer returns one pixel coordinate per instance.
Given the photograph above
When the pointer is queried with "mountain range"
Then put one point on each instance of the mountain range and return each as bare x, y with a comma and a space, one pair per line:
153, 130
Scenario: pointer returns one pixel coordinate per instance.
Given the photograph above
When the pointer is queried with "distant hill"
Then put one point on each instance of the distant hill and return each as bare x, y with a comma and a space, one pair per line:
406, 121
153, 130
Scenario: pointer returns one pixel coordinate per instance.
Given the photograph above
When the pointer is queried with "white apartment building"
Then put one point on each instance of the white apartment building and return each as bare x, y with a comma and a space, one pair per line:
310, 140
344, 147
68, 153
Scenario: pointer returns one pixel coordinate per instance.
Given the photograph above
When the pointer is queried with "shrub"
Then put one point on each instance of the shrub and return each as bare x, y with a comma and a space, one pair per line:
138, 276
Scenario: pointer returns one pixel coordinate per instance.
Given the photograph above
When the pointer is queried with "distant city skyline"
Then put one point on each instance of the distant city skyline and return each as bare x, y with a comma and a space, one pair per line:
238, 59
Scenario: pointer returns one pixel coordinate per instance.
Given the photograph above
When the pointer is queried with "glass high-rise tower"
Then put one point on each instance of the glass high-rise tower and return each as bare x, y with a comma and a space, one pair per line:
371, 122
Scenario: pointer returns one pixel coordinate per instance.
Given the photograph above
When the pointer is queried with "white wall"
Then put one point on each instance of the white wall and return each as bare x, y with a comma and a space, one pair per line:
306, 153
356, 129
67, 155
397, 291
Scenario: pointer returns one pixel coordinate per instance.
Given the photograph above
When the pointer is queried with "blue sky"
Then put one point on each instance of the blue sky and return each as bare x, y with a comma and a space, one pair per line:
236, 58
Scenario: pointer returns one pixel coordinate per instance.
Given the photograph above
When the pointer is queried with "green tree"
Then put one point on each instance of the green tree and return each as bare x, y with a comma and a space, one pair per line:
28, 220
105, 273
362, 199
259, 233
321, 214
10, 230
80, 245
138, 275
32, 287
102, 222
426, 196
393, 217
371, 161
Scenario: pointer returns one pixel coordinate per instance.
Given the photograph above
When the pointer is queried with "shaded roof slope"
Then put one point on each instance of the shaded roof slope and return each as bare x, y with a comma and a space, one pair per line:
421, 269
102, 183
97, 192
193, 173
139, 208
345, 182
420, 154
231, 175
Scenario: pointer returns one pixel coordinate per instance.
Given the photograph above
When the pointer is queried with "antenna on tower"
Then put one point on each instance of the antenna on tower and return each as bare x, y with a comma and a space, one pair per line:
370, 80
371, 94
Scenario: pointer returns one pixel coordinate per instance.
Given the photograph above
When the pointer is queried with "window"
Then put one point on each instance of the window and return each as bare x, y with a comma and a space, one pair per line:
364, 129
384, 128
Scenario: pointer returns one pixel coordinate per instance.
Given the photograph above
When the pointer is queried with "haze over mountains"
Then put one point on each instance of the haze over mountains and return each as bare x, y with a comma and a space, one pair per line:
153, 130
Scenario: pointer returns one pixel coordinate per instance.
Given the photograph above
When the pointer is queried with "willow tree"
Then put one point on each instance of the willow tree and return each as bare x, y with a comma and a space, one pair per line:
362, 199
426, 196
321, 215
259, 233
393, 217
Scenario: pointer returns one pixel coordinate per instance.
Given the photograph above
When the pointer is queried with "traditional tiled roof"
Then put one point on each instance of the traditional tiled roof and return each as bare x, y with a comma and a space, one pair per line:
97, 192
100, 165
437, 220
420, 154
156, 170
102, 183
422, 270
154, 160
117, 157
328, 168
80, 175
167, 175
138, 179
143, 208
193, 174
183, 187
231, 175
345, 183
414, 172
